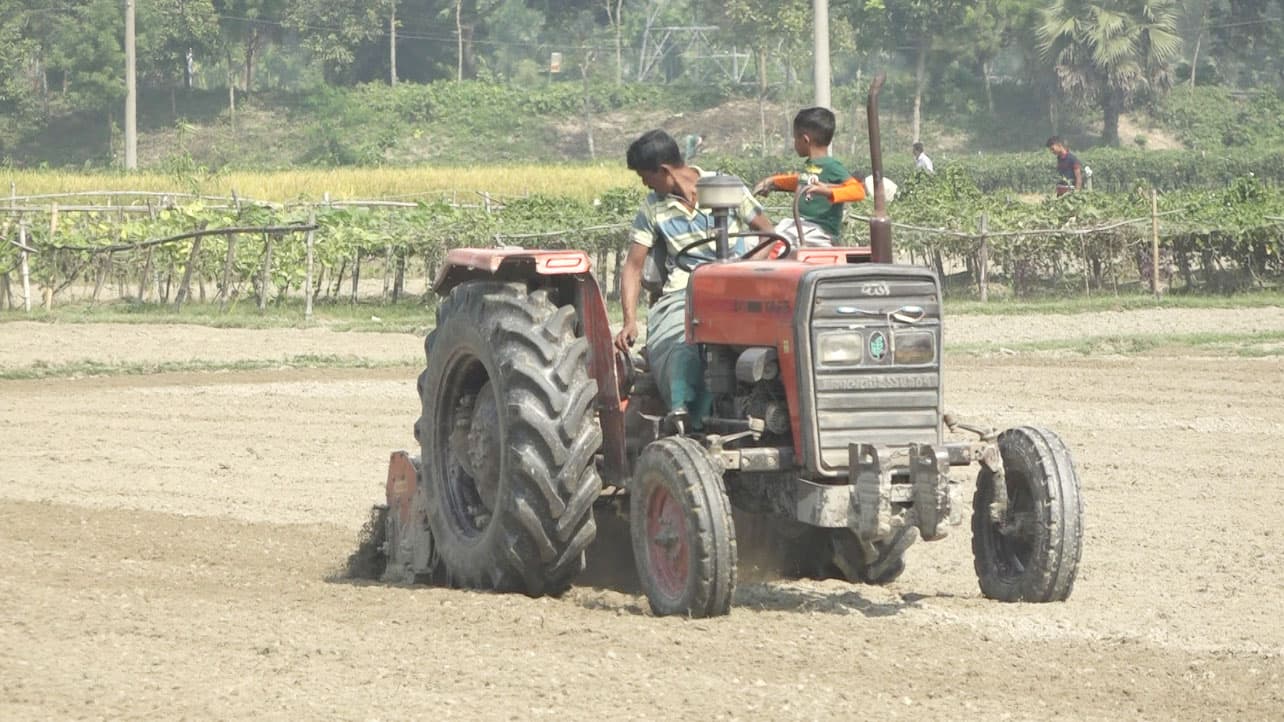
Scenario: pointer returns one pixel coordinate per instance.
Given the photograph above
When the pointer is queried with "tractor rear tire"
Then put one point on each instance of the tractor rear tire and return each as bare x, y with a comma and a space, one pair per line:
684, 537
1036, 561
508, 437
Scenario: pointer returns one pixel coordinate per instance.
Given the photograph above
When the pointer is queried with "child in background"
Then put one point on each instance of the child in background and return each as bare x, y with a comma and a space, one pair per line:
827, 185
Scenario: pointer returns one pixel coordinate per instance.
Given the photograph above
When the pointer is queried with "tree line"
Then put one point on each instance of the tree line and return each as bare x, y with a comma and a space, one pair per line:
59, 57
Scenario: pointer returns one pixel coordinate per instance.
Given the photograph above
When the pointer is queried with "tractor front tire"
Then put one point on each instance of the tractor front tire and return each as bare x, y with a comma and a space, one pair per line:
1033, 555
508, 437
684, 537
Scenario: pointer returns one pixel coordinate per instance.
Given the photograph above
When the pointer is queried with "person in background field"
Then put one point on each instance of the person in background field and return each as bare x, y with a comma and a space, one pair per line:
921, 161
669, 220
1068, 166
693, 144
828, 185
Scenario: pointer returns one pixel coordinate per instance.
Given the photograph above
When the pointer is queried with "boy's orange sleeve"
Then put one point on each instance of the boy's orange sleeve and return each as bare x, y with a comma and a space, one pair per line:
851, 190
785, 181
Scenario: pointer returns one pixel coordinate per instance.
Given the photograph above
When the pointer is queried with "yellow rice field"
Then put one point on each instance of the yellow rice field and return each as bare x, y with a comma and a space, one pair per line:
578, 181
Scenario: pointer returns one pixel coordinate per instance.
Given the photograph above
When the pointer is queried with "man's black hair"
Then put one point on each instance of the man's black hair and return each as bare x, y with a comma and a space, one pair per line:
1055, 140
918, 147
817, 123
653, 149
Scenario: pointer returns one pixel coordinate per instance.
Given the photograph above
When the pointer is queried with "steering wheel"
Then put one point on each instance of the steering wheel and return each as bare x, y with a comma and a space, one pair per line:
685, 260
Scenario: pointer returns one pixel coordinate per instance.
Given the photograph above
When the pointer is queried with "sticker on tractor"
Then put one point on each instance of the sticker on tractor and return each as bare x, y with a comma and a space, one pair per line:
877, 346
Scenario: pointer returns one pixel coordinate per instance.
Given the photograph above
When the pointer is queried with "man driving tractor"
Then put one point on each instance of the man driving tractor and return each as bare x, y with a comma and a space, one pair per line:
668, 221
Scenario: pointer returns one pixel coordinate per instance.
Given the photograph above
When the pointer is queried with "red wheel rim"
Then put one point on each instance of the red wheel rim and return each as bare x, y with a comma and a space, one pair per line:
667, 547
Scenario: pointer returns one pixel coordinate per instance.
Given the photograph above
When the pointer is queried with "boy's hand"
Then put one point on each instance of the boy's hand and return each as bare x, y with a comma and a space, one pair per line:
764, 187
824, 190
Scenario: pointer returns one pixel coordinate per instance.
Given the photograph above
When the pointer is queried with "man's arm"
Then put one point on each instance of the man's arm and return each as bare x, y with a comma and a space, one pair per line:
630, 291
1078, 175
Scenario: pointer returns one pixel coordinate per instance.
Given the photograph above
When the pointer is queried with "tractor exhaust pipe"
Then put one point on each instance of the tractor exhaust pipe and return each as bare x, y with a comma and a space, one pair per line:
880, 226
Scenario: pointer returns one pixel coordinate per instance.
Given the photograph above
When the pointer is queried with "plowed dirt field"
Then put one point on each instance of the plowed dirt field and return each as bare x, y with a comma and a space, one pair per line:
170, 547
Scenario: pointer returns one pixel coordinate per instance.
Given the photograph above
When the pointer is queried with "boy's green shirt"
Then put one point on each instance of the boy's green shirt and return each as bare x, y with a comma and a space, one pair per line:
818, 208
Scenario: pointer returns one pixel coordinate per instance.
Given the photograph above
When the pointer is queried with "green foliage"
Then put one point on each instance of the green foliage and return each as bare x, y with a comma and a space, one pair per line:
1214, 117
348, 133
1108, 53
1228, 239
1236, 227
358, 126
1113, 169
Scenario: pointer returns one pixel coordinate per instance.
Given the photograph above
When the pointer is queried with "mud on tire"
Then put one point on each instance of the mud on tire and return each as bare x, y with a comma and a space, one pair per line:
523, 523
1038, 559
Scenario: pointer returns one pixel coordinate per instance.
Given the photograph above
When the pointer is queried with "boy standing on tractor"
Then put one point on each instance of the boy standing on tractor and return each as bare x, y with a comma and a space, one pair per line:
827, 184
668, 221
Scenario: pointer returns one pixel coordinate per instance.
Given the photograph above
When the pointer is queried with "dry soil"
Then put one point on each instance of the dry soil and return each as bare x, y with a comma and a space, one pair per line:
169, 547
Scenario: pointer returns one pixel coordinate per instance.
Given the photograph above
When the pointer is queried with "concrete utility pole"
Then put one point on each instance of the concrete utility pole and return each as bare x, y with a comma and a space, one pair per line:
820, 8
392, 44
131, 91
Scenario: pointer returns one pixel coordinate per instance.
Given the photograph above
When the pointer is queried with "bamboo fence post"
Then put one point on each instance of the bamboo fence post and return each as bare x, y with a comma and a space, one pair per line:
104, 267
267, 269
6, 294
387, 272
147, 272
53, 239
356, 274
1154, 243
1087, 267
615, 276
169, 280
399, 279
26, 271
983, 260
184, 288
307, 278
225, 292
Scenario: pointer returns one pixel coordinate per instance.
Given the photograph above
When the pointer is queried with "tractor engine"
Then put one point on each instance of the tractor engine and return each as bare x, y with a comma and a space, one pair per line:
820, 357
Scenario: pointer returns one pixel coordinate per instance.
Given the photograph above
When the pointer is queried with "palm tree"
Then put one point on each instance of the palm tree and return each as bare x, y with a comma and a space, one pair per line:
1107, 52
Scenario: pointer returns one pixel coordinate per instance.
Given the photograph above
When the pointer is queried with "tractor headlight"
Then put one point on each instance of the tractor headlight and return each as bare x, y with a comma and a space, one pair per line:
915, 348
843, 348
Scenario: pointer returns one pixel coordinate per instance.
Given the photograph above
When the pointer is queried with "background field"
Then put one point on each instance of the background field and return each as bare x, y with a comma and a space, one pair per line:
170, 544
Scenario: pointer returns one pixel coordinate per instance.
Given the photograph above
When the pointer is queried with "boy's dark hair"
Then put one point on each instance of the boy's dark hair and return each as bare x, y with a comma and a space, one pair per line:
818, 123
1055, 140
653, 149
918, 147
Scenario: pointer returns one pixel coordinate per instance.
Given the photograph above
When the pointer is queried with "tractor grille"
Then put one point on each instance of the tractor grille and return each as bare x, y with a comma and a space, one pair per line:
871, 378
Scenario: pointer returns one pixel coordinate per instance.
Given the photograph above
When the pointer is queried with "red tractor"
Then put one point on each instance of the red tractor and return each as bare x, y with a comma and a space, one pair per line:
825, 367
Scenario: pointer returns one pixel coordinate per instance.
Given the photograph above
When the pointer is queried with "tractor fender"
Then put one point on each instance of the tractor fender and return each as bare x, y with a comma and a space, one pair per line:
507, 264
